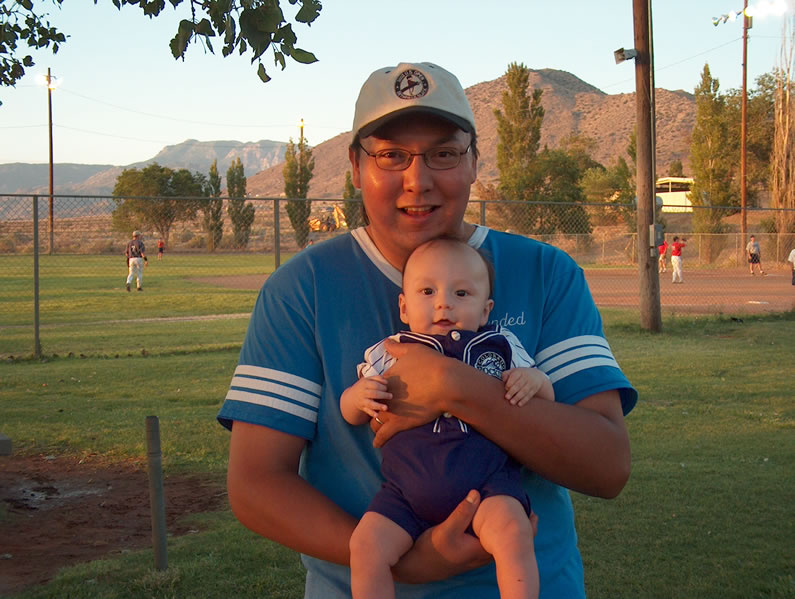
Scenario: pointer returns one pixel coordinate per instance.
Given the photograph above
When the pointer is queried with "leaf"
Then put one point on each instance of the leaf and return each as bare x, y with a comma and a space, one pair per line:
27, 4
303, 56
204, 27
310, 9
262, 74
278, 59
179, 44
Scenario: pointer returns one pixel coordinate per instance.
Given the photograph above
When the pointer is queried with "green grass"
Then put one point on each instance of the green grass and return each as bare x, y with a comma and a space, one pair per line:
708, 512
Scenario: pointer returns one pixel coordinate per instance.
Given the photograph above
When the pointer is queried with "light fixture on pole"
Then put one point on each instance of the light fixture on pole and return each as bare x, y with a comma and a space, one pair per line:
747, 24
51, 83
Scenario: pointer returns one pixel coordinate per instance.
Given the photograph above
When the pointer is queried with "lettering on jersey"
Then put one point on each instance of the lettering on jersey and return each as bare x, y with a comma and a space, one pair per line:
508, 321
491, 363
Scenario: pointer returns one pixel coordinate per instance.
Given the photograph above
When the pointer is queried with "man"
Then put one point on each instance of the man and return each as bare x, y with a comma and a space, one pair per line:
754, 255
662, 249
676, 259
136, 260
301, 476
791, 259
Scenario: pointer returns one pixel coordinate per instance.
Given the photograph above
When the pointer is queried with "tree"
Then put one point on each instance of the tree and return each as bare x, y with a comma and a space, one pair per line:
352, 207
519, 135
240, 213
297, 172
561, 194
711, 158
675, 169
783, 177
156, 197
760, 124
241, 25
213, 209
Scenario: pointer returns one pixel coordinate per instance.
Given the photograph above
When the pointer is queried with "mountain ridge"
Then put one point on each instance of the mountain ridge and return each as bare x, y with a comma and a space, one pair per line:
571, 105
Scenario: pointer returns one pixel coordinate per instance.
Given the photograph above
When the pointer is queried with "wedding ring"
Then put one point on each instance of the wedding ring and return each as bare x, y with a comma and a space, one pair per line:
378, 420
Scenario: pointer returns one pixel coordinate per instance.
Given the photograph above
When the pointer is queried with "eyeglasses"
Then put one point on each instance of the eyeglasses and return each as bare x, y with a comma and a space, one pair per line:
438, 159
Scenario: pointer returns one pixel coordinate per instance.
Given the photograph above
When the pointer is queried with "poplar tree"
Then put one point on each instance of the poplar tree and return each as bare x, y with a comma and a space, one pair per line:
519, 135
212, 209
297, 172
711, 158
240, 213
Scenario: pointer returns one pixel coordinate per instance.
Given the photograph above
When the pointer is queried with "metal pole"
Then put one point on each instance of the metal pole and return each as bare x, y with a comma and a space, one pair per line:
36, 340
277, 235
49, 109
651, 318
744, 126
156, 495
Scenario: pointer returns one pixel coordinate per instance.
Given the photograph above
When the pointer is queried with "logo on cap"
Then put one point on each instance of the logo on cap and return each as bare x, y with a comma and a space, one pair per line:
411, 84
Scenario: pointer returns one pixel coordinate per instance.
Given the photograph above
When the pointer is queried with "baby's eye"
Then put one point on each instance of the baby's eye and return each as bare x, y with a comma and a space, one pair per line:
426, 291
462, 293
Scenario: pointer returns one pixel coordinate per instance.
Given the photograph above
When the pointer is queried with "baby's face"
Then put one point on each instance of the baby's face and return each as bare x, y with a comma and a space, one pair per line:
445, 287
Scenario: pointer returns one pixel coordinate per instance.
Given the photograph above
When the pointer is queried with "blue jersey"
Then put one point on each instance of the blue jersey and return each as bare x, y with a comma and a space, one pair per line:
314, 315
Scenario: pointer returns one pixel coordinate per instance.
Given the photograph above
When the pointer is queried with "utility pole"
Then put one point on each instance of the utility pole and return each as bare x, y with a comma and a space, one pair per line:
49, 112
744, 126
650, 315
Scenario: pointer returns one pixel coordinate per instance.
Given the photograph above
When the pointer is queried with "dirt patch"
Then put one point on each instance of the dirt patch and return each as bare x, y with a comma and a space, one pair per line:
60, 511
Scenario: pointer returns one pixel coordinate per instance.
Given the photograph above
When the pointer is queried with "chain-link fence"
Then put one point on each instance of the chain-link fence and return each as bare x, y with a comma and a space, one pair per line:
62, 259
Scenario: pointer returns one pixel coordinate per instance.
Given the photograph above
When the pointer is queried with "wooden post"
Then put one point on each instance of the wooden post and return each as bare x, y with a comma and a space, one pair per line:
650, 315
157, 501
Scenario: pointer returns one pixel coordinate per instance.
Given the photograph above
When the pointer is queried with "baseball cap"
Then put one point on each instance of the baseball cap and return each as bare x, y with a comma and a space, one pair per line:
136, 234
411, 87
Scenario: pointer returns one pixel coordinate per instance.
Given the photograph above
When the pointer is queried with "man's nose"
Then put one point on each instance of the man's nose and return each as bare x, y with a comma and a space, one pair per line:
417, 177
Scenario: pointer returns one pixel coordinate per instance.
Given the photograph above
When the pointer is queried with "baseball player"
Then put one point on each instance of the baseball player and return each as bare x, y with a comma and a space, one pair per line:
136, 260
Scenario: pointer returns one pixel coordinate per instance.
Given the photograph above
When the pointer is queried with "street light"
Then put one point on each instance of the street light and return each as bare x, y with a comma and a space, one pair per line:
51, 83
747, 24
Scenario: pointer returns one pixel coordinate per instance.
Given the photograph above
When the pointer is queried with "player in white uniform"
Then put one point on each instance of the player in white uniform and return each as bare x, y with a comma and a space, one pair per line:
300, 475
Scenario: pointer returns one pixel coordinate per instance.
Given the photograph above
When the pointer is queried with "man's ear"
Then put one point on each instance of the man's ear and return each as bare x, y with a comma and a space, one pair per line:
353, 156
404, 318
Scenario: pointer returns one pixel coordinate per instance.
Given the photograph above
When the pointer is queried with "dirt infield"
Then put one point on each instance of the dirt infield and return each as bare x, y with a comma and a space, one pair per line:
60, 511
703, 292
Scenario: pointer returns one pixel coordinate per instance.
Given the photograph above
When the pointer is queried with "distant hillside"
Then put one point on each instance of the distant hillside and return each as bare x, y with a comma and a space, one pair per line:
84, 179
19, 177
571, 106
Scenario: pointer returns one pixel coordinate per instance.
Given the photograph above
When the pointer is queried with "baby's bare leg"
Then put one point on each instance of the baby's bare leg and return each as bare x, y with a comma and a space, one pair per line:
505, 531
376, 545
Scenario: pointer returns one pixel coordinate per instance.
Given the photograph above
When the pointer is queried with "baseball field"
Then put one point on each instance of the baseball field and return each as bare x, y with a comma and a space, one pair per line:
708, 512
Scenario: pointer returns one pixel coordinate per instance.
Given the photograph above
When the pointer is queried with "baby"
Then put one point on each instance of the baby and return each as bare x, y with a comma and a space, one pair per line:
428, 470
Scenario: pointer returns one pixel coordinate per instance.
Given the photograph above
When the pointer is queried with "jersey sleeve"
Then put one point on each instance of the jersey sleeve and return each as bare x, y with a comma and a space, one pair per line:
572, 348
519, 356
376, 359
279, 377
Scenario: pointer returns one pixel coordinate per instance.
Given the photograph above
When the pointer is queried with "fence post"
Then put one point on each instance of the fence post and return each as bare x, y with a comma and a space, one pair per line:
157, 501
277, 240
36, 340
482, 213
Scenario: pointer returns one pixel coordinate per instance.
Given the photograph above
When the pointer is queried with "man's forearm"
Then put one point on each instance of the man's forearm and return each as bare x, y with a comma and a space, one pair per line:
269, 497
583, 447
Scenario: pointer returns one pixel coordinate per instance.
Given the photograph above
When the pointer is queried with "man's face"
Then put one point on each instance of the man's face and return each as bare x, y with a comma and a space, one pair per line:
406, 208
445, 287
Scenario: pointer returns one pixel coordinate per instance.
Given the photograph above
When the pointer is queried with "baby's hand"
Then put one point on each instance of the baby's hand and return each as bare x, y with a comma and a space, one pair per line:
522, 384
365, 393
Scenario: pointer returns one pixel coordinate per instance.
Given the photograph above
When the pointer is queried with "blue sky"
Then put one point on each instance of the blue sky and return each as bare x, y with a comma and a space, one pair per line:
123, 97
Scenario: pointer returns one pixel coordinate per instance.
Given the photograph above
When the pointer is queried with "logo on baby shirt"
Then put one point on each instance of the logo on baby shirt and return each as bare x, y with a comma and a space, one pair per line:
491, 363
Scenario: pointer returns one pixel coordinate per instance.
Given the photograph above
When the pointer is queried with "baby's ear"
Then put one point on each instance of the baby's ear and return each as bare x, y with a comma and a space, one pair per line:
486, 311
404, 318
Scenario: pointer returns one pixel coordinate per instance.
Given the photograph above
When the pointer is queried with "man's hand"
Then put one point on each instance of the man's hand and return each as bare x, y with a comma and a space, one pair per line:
446, 549
416, 381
